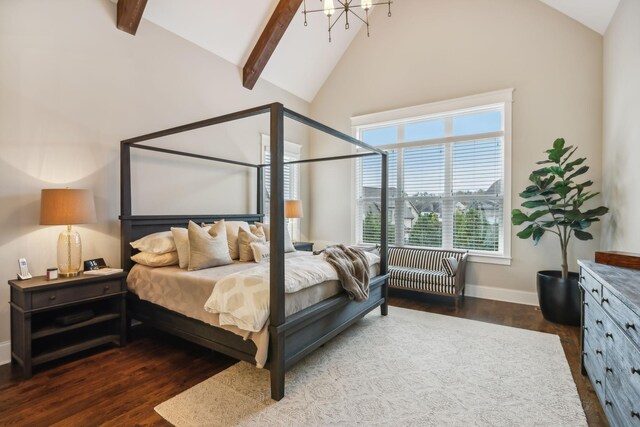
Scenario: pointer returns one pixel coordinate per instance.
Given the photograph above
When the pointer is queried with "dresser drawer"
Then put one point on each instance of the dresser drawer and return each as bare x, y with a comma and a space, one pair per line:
623, 376
622, 316
617, 414
590, 284
49, 298
594, 364
594, 315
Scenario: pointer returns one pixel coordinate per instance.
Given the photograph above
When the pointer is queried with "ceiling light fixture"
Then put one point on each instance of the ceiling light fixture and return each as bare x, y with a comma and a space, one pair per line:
345, 7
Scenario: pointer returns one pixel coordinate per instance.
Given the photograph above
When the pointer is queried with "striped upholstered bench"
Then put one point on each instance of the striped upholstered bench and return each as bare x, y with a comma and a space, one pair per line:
433, 271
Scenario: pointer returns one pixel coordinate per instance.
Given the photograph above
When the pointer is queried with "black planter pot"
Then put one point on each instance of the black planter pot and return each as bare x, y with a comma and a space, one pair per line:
559, 299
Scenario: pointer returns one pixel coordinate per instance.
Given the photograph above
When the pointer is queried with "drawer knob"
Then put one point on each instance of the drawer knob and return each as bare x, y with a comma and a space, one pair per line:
605, 300
586, 329
594, 290
608, 403
630, 326
635, 414
52, 297
635, 371
598, 351
586, 303
609, 335
598, 382
598, 322
107, 287
608, 369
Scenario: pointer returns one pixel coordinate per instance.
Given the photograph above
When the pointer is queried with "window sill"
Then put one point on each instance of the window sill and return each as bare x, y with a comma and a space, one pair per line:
490, 259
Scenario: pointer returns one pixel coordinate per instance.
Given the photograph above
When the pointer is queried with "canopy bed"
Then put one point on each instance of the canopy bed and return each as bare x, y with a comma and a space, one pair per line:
291, 336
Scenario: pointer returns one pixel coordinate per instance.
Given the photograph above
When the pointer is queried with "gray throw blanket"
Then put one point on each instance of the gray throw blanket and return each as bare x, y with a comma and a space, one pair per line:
352, 268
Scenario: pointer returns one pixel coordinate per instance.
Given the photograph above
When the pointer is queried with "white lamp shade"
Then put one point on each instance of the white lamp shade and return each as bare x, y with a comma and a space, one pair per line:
293, 209
64, 206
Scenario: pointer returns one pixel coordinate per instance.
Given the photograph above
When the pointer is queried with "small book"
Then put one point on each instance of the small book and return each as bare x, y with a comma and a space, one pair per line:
103, 271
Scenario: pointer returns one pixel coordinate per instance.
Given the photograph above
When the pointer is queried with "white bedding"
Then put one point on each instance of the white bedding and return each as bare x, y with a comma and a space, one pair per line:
241, 299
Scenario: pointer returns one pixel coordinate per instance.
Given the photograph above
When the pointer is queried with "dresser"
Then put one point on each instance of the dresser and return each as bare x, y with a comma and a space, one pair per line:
611, 339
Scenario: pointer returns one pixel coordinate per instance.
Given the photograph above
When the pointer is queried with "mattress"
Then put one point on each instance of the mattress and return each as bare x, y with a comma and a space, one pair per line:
186, 292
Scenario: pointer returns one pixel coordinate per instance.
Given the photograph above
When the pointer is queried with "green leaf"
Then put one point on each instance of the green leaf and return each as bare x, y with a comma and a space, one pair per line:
574, 215
602, 210
580, 171
566, 159
556, 170
549, 224
576, 162
538, 214
526, 233
542, 162
562, 190
582, 235
532, 204
518, 217
537, 234
558, 150
538, 173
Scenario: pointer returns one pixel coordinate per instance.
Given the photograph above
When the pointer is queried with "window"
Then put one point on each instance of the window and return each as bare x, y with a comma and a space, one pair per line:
291, 180
449, 171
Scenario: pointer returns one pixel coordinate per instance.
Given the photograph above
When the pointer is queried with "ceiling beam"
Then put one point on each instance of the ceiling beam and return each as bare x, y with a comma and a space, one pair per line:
129, 15
268, 41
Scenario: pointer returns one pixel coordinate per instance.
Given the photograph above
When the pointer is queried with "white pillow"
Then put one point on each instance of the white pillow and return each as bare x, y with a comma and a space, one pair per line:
207, 248
232, 235
156, 260
260, 251
288, 245
181, 237
245, 238
156, 243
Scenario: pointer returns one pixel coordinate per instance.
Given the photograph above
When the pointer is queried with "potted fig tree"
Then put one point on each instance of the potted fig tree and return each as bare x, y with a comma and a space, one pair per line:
556, 197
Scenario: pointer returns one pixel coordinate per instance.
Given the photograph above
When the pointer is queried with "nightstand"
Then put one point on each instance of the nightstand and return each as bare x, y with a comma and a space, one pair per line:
303, 246
51, 319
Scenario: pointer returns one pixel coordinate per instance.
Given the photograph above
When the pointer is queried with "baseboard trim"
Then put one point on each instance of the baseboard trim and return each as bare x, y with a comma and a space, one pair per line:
501, 294
5, 352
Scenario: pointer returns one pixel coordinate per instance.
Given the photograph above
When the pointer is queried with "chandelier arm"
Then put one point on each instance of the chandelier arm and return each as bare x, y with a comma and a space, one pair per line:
335, 21
358, 16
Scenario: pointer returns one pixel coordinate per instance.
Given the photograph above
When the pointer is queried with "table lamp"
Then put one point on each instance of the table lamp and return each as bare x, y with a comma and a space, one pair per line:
293, 209
67, 207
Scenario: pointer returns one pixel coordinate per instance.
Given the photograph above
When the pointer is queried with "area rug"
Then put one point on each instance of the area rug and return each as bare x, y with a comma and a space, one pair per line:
410, 368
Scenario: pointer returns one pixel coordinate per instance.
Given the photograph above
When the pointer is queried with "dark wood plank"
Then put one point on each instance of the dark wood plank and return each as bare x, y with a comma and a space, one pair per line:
129, 15
121, 386
268, 41
619, 259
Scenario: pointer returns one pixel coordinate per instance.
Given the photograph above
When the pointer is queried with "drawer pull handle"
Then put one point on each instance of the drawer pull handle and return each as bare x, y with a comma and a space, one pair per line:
609, 335
584, 353
598, 351
598, 322
608, 403
630, 326
594, 290
605, 300
586, 329
586, 303
635, 414
608, 369
598, 382
52, 297
635, 371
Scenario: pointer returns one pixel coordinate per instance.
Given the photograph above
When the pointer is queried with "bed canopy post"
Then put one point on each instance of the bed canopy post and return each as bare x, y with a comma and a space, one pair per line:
276, 262
384, 308
259, 190
125, 198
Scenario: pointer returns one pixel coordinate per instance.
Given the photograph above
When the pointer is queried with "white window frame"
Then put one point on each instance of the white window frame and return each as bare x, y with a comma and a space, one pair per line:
292, 151
474, 103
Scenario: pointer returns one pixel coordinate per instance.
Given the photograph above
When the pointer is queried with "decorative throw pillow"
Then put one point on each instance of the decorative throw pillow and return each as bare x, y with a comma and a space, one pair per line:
450, 265
156, 260
207, 248
260, 251
245, 238
288, 244
156, 243
232, 235
181, 237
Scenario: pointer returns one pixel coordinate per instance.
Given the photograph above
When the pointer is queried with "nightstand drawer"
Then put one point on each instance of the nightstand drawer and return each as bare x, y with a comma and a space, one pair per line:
74, 293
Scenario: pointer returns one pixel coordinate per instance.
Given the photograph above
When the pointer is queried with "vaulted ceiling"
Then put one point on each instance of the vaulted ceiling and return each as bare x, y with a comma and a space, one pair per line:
303, 59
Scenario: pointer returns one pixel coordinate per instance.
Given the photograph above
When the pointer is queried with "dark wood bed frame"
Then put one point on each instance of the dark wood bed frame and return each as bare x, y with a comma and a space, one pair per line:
290, 338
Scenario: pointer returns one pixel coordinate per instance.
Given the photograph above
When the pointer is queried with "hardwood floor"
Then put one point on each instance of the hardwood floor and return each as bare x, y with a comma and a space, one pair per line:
121, 386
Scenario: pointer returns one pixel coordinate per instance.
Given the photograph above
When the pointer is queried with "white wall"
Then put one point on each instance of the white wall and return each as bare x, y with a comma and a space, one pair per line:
432, 50
72, 86
621, 149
